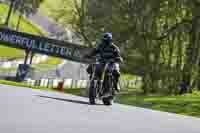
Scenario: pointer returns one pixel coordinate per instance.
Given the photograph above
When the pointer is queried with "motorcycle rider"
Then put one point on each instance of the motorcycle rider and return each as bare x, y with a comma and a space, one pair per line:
107, 50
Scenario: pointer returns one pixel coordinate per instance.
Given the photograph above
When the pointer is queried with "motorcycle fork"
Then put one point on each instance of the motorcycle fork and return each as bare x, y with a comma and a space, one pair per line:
103, 79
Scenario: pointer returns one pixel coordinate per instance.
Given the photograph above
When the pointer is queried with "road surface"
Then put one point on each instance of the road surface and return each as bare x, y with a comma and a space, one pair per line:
24, 110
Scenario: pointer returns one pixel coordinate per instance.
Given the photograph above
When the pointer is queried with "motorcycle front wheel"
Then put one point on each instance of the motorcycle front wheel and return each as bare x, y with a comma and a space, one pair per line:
92, 93
108, 100
109, 85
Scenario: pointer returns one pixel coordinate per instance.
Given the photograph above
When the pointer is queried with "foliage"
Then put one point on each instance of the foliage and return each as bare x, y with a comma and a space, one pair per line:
26, 26
61, 11
24, 7
158, 39
27, 7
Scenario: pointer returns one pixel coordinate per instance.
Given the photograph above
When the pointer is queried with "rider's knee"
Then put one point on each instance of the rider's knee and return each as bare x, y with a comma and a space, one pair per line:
116, 73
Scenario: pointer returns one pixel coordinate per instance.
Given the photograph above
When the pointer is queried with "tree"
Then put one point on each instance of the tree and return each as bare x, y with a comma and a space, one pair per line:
9, 12
26, 7
159, 39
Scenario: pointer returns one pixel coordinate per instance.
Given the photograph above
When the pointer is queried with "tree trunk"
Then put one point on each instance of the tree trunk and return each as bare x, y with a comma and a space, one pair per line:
198, 78
26, 56
18, 22
144, 84
9, 12
31, 59
191, 58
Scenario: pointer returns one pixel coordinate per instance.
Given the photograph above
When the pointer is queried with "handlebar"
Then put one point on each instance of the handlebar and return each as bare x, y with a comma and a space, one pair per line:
99, 59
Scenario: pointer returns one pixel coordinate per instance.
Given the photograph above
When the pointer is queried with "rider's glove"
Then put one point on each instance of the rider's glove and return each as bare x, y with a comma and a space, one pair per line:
119, 59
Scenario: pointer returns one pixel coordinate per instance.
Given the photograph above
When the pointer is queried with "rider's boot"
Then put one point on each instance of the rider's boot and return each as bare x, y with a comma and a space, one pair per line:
116, 74
116, 85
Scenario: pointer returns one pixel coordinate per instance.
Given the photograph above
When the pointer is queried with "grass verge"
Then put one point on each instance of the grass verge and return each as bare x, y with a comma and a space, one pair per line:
126, 76
76, 92
49, 64
5, 82
186, 105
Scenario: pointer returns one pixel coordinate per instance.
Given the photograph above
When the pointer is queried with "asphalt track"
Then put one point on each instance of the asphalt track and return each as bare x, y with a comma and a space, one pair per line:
24, 110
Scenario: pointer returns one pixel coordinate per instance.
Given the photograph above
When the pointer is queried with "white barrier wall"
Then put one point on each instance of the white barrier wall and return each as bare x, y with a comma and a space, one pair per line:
69, 83
10, 64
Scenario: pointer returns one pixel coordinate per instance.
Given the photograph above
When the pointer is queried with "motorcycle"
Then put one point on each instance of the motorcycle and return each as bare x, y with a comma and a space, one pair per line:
99, 86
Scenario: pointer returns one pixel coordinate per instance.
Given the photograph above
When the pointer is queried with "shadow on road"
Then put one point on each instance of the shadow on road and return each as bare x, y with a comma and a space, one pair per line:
66, 100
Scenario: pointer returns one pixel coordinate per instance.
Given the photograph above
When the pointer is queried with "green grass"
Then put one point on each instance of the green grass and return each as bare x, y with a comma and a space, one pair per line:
10, 53
126, 76
26, 26
50, 8
69, 91
47, 65
186, 105
76, 92
53, 61
5, 82
7, 70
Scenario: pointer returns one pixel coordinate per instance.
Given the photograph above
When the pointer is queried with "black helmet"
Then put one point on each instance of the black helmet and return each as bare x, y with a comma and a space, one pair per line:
107, 37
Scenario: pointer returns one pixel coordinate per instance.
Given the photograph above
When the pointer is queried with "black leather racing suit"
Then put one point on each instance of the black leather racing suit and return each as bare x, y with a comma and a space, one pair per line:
107, 51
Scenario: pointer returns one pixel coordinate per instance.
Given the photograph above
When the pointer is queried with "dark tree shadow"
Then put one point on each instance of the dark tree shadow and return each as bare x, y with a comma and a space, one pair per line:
67, 100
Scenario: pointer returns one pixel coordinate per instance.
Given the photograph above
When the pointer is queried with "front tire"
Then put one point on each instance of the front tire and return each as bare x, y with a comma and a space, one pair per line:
108, 101
92, 93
